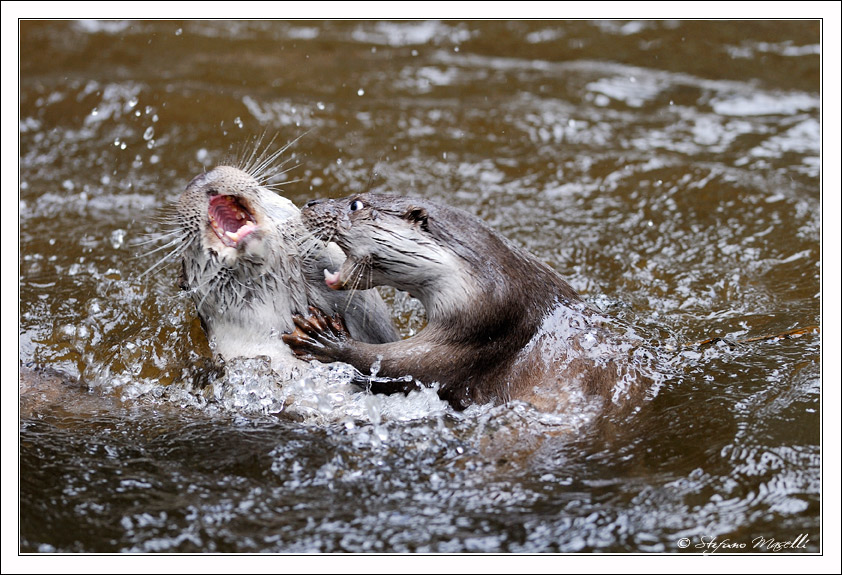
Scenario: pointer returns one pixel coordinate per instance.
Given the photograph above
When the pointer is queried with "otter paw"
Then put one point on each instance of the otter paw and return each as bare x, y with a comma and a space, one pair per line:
317, 336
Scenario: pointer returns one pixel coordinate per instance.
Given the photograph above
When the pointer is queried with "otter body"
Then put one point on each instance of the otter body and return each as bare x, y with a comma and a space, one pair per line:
502, 325
241, 247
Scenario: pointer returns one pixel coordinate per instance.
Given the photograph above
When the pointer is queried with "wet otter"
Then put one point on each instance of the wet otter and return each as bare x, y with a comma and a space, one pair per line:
501, 324
241, 247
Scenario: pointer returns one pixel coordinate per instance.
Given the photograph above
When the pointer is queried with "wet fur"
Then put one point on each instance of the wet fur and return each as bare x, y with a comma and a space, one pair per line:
502, 325
246, 296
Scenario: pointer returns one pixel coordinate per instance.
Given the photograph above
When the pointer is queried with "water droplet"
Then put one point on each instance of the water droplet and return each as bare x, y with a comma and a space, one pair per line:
360, 92
414, 52
132, 102
118, 238
179, 32
94, 112
238, 122
320, 105
338, 161
149, 133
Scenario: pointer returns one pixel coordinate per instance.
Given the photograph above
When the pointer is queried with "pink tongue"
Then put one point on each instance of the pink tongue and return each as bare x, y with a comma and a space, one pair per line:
332, 280
230, 220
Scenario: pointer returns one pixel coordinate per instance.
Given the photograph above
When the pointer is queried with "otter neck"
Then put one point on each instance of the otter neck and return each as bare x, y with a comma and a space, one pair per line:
498, 296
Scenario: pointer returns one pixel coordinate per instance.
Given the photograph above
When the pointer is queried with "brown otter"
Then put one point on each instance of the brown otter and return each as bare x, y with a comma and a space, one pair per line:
242, 249
501, 324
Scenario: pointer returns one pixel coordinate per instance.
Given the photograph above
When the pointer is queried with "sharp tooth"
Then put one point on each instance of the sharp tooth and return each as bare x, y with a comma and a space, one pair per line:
233, 236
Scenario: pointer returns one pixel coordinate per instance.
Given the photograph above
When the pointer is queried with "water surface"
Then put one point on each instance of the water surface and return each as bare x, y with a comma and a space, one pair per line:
668, 170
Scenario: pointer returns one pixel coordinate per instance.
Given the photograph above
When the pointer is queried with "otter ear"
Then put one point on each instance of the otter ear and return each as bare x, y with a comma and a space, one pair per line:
417, 216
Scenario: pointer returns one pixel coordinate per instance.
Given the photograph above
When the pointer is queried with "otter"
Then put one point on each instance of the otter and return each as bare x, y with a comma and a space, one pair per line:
249, 266
502, 325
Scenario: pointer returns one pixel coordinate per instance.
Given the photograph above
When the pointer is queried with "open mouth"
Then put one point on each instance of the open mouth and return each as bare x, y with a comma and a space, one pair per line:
230, 220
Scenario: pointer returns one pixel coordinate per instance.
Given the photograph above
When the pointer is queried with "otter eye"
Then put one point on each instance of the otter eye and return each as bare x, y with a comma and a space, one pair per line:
357, 205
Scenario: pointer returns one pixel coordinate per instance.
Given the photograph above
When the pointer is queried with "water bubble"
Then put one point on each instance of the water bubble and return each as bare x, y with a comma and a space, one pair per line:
238, 122
320, 105
179, 32
149, 133
338, 161
360, 92
132, 102
93, 307
118, 238
202, 154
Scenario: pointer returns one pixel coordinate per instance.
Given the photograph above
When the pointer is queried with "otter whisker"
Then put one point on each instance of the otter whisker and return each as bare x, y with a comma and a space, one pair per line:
256, 154
171, 256
262, 168
178, 241
157, 237
278, 187
307, 244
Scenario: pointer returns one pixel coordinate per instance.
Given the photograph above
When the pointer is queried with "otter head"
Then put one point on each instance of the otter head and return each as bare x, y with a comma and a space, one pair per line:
396, 241
229, 216
239, 254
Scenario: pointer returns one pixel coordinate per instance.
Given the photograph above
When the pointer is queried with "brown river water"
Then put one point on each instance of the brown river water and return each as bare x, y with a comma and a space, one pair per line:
668, 170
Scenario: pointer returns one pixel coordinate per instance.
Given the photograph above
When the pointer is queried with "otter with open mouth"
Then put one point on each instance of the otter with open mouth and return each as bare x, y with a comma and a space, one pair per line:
502, 325
242, 251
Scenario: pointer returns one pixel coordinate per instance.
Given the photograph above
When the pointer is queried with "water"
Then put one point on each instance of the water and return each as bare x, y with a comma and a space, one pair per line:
669, 170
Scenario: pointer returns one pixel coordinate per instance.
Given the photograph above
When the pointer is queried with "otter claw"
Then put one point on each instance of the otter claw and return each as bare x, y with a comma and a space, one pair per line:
317, 336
